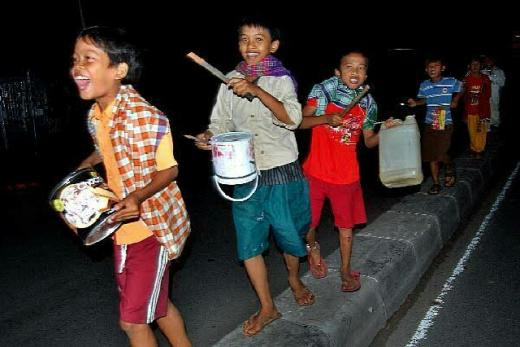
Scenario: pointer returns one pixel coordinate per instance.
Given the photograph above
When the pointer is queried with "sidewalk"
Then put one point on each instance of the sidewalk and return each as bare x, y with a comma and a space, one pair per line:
392, 253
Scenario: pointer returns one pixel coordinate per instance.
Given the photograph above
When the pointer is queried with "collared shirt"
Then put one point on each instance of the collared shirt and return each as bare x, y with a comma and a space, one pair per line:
274, 141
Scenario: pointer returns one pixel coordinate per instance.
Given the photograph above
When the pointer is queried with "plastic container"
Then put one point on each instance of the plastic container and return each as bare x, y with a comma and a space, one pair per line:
400, 154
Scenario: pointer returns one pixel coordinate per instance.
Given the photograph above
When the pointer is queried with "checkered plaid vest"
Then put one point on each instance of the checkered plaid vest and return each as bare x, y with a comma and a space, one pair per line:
135, 132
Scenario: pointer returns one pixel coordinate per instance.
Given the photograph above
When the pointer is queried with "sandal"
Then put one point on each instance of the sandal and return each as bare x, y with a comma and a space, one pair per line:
249, 329
350, 283
319, 269
449, 177
449, 181
434, 189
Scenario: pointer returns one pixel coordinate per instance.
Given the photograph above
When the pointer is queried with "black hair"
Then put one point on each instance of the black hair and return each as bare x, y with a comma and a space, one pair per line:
433, 59
119, 48
354, 51
475, 58
260, 22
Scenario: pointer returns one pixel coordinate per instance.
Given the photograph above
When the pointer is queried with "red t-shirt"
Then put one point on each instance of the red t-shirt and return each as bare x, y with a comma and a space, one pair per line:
477, 91
332, 157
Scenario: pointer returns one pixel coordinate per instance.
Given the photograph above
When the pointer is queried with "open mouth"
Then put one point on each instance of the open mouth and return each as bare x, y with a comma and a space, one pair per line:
82, 82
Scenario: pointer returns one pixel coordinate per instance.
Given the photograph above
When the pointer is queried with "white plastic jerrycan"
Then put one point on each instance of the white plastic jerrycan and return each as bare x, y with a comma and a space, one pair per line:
400, 154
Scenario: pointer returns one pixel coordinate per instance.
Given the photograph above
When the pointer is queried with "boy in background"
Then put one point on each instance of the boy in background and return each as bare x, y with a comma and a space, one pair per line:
440, 95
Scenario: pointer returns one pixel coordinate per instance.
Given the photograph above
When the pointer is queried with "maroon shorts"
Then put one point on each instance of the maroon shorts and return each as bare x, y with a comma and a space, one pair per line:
346, 200
142, 276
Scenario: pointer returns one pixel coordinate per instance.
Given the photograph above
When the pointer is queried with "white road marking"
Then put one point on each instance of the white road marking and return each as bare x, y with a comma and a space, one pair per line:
428, 320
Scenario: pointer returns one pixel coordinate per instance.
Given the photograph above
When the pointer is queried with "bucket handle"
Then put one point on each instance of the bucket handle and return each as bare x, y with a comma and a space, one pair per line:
234, 199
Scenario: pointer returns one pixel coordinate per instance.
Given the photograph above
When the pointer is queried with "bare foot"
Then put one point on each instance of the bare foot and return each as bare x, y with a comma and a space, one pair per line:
302, 295
258, 321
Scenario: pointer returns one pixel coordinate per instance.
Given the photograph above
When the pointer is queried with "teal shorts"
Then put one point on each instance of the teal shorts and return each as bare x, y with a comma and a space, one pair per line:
284, 207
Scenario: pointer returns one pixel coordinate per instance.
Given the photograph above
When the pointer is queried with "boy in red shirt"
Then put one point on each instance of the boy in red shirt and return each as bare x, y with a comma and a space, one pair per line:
332, 166
476, 93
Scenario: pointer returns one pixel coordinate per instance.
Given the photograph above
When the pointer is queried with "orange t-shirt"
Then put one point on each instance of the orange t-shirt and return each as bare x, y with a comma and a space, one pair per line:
132, 232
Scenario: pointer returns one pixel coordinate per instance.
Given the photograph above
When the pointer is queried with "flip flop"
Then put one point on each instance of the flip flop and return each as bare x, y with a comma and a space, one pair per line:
247, 327
449, 176
449, 181
319, 269
434, 189
351, 283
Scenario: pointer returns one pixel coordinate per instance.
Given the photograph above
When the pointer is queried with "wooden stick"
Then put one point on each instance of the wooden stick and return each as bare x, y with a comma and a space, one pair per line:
216, 72
355, 101
191, 137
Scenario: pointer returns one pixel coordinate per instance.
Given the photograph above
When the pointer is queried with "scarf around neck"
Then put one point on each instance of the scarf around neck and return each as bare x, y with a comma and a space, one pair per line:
333, 90
269, 66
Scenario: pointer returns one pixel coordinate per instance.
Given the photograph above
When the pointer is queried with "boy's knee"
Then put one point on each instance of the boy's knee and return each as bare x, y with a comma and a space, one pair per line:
132, 328
345, 233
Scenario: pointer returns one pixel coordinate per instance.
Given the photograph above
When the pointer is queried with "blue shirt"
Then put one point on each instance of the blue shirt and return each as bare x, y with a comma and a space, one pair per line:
438, 95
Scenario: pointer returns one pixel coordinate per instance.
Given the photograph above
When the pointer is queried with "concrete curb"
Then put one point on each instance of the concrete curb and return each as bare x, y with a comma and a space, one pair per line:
392, 253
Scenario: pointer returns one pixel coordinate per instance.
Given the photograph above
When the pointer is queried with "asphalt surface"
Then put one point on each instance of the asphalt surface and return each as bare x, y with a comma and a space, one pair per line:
483, 309
56, 292
467, 295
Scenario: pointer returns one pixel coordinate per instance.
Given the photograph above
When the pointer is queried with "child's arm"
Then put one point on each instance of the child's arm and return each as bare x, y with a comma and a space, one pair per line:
310, 120
93, 159
372, 138
416, 102
498, 77
455, 100
128, 208
241, 87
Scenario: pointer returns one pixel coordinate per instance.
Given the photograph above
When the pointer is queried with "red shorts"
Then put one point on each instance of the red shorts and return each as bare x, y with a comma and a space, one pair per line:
142, 276
346, 200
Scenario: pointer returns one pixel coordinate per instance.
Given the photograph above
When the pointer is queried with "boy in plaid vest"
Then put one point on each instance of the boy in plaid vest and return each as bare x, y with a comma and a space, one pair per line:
133, 141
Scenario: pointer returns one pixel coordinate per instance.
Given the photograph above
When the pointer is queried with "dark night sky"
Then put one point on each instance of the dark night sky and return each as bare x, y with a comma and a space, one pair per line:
39, 36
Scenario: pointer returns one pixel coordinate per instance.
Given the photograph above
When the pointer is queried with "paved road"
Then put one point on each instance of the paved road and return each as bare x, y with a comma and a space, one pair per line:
470, 296
56, 292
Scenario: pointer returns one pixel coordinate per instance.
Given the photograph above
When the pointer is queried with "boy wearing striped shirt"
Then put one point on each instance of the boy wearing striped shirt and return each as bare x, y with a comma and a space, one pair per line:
440, 95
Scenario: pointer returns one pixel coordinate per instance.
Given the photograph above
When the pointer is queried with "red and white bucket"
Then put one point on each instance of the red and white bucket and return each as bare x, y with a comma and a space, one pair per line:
234, 161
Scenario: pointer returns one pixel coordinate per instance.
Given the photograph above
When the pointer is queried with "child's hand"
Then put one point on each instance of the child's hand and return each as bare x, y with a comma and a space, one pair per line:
411, 102
127, 209
390, 123
454, 103
242, 87
333, 119
202, 141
